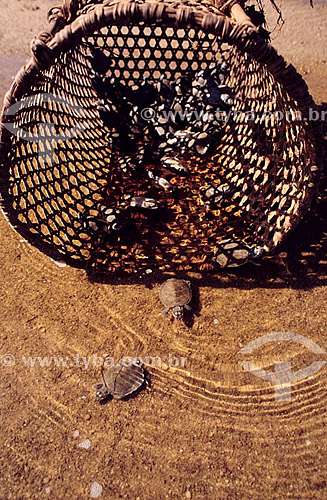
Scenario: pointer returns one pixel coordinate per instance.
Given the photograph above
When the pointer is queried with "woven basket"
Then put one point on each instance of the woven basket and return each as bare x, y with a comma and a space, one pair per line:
56, 161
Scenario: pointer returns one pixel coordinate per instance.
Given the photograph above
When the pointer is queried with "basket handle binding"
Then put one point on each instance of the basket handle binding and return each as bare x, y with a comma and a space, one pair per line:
59, 16
239, 15
69, 9
67, 12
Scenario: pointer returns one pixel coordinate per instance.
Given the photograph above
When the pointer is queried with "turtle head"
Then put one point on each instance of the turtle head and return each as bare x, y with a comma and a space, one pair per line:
257, 252
178, 312
102, 392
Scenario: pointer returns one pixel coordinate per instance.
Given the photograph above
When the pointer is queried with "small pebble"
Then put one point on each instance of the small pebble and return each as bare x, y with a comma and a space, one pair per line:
148, 271
95, 490
76, 434
85, 444
47, 489
60, 263
188, 494
215, 321
308, 442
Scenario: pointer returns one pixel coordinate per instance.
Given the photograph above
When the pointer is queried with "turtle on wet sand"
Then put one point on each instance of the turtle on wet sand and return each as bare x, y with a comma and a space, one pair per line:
120, 380
176, 295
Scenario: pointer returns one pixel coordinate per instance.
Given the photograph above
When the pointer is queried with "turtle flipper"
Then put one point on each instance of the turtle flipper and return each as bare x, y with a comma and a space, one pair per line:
165, 312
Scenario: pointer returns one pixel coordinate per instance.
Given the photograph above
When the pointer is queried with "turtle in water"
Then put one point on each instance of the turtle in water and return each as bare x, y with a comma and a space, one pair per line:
235, 253
120, 380
175, 295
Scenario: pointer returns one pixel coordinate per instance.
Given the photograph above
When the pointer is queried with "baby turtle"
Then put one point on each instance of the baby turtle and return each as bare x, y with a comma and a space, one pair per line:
161, 182
120, 380
113, 218
173, 163
214, 194
141, 202
175, 295
235, 253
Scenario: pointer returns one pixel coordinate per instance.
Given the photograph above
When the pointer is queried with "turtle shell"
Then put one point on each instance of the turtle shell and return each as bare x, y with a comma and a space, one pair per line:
174, 292
124, 379
235, 253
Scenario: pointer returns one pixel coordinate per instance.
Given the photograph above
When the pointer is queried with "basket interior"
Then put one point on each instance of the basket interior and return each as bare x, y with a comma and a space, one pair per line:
70, 168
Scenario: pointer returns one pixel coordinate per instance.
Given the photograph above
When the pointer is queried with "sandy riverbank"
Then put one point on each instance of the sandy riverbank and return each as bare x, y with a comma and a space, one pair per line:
211, 431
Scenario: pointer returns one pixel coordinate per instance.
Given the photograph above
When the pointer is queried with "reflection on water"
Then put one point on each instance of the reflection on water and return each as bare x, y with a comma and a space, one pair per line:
9, 66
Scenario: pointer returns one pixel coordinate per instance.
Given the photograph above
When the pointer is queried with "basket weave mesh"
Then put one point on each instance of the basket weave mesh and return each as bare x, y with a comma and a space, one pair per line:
47, 183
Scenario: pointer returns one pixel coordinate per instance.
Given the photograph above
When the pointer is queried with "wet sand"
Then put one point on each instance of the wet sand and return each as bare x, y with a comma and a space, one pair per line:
207, 430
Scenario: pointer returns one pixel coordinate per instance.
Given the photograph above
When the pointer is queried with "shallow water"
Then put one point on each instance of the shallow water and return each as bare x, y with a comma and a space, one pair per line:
212, 429
9, 66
